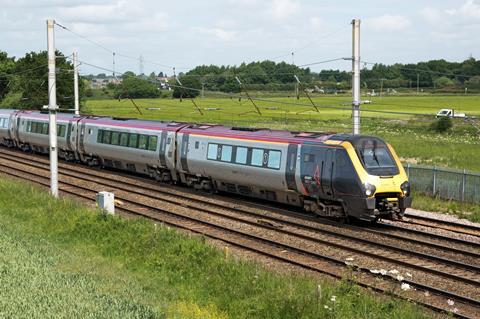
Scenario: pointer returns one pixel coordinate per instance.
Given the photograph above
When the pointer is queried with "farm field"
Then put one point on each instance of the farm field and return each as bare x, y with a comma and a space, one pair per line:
407, 131
61, 259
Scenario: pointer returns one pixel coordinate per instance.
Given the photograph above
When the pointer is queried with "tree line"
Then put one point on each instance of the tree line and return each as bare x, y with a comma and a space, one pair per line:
24, 81
271, 76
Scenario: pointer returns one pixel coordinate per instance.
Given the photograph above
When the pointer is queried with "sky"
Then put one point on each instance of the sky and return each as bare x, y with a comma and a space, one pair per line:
184, 34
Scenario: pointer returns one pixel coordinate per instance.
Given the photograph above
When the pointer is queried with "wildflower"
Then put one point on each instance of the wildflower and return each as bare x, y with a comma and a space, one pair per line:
427, 294
400, 278
405, 286
327, 307
333, 299
450, 302
455, 310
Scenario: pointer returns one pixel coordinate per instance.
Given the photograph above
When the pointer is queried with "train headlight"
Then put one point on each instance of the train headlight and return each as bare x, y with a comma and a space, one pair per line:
369, 189
405, 187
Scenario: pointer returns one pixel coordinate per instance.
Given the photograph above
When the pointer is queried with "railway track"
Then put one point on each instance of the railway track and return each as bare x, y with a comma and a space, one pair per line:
466, 229
322, 247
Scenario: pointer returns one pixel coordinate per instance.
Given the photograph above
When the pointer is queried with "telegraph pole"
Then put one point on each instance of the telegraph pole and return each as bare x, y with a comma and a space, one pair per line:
75, 84
418, 83
356, 75
52, 109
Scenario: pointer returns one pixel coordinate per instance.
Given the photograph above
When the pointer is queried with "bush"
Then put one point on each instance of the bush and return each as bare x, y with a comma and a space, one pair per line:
442, 125
190, 88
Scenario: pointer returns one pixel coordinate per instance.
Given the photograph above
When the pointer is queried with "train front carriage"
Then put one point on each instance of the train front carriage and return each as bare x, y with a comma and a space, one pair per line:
353, 176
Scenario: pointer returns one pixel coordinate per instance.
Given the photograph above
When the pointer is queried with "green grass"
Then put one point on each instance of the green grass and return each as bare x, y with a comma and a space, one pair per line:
60, 260
410, 135
470, 212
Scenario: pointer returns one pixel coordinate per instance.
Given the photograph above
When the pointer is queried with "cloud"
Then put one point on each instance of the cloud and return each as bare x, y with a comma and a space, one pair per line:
283, 8
218, 33
116, 12
470, 10
431, 15
388, 22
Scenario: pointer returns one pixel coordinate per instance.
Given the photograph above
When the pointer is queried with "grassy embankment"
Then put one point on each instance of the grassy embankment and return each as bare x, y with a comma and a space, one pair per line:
60, 259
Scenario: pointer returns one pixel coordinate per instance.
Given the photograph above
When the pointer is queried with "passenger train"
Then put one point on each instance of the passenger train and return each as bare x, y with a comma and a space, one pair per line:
328, 174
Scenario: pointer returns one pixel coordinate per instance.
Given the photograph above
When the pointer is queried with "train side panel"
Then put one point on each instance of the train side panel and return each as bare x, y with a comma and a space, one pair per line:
6, 117
32, 130
111, 145
247, 167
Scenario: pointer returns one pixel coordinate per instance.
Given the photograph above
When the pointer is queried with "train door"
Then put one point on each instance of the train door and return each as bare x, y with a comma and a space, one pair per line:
291, 166
70, 145
162, 153
312, 166
327, 172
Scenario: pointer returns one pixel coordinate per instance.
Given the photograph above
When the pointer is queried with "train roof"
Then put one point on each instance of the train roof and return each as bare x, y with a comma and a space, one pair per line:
44, 115
134, 123
7, 111
215, 130
262, 134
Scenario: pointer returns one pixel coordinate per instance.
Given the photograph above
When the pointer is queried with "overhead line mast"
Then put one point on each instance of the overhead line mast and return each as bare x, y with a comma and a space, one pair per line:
52, 108
356, 76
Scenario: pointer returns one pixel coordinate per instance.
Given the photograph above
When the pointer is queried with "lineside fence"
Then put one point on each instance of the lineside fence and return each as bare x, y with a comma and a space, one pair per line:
449, 184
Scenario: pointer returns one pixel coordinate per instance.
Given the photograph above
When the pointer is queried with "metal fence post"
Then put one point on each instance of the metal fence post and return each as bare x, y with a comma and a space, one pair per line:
434, 179
464, 181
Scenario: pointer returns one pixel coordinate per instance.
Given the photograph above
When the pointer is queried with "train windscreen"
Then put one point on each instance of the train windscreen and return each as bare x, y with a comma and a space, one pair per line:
376, 157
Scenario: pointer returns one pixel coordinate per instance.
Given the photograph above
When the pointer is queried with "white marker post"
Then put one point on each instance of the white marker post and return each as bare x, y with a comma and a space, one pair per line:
52, 109
356, 75
75, 84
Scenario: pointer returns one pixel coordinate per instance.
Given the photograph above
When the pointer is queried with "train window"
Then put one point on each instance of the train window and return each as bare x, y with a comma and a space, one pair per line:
45, 128
152, 143
89, 131
241, 155
34, 127
292, 161
197, 145
123, 139
142, 141
169, 140
226, 153
1, 122
100, 136
61, 130
115, 138
257, 157
212, 151
308, 158
106, 137
133, 140
274, 159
